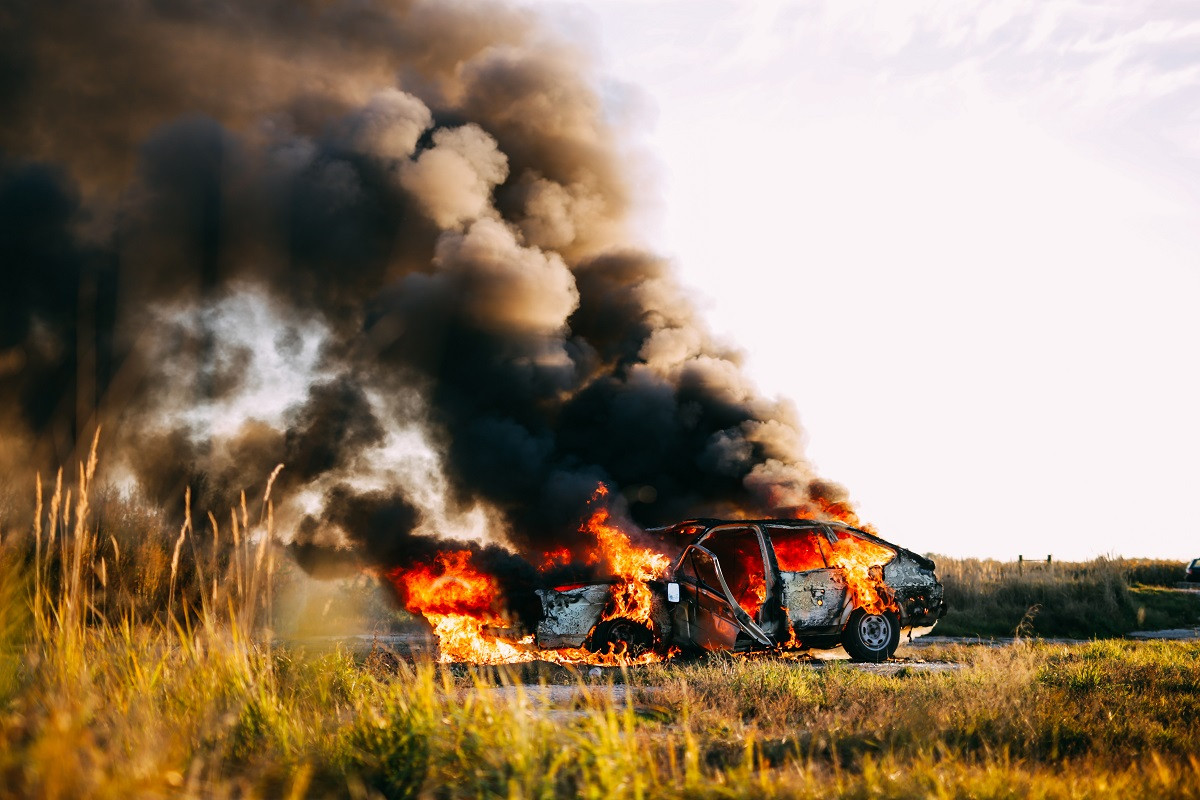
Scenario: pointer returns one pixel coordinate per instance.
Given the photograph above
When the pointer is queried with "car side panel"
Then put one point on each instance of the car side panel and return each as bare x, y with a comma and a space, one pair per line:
716, 628
568, 617
916, 590
813, 599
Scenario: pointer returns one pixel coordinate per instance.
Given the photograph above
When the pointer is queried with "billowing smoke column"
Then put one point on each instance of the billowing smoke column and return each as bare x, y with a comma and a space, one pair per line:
382, 243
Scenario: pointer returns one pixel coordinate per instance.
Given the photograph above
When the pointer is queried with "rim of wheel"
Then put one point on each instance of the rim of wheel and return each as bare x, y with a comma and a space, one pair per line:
875, 631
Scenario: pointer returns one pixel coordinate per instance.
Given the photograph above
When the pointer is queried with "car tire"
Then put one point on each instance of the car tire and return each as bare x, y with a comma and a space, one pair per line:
871, 637
613, 634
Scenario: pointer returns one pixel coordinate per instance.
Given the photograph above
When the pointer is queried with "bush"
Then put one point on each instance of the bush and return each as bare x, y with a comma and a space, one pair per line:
387, 749
1071, 599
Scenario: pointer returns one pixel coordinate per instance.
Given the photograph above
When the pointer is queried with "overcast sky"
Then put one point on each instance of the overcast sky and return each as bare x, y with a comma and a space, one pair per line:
962, 237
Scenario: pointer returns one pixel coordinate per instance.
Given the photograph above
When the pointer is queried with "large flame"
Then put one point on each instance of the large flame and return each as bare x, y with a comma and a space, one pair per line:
451, 585
460, 602
464, 605
862, 563
631, 598
860, 560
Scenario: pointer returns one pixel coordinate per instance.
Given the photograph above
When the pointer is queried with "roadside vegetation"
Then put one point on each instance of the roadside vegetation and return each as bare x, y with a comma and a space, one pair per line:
1083, 600
114, 688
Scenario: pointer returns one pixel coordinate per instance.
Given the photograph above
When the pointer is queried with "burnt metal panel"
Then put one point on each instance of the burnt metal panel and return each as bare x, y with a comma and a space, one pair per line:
568, 617
921, 605
813, 599
916, 588
904, 570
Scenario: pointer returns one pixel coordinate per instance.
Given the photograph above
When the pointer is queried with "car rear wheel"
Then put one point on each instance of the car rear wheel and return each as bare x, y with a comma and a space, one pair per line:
871, 637
621, 636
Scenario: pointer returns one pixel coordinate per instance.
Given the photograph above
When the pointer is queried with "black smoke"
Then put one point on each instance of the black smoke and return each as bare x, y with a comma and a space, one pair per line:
427, 207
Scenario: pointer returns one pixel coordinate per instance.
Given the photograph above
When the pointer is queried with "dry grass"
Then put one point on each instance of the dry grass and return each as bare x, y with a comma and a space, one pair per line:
102, 695
1103, 597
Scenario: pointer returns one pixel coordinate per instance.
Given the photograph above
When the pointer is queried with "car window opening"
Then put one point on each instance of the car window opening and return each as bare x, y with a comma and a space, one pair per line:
741, 560
798, 549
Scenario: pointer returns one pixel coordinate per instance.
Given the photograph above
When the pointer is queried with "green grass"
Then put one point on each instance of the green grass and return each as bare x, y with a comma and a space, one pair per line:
1099, 598
190, 700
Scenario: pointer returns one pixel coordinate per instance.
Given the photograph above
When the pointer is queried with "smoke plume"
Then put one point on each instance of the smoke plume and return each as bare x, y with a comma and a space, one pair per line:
382, 243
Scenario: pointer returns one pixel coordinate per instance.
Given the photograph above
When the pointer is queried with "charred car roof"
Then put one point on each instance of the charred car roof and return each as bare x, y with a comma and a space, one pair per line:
695, 528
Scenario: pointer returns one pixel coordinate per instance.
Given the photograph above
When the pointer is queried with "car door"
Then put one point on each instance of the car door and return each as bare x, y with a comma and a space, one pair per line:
709, 615
738, 549
813, 593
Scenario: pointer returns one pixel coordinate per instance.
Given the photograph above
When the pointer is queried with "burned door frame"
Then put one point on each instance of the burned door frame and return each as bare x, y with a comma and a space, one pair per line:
817, 600
769, 620
711, 616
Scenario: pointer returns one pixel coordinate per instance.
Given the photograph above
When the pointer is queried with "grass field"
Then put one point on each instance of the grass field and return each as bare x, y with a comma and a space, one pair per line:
1103, 597
108, 689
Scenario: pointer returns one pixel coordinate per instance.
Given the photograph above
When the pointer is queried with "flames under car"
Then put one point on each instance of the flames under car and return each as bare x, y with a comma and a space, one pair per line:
754, 585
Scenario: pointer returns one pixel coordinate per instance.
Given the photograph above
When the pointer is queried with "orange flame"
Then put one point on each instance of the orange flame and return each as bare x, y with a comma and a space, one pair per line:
754, 597
558, 557
463, 605
860, 560
862, 563
631, 597
450, 586
836, 510
460, 602
792, 641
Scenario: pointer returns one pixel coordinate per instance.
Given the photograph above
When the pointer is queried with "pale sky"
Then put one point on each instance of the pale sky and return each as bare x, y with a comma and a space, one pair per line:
962, 237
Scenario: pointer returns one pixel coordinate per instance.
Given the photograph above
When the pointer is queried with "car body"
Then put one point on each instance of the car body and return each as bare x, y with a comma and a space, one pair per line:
1191, 572
742, 585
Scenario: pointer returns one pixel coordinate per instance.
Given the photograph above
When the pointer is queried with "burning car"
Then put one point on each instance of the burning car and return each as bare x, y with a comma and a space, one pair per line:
741, 585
